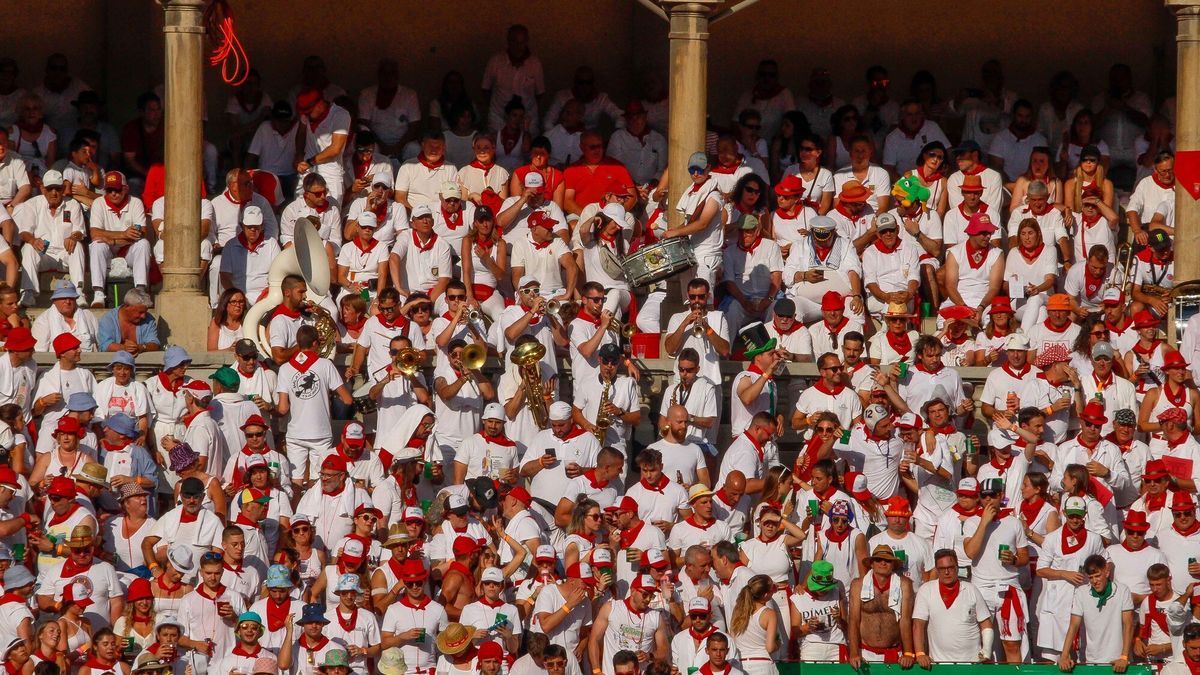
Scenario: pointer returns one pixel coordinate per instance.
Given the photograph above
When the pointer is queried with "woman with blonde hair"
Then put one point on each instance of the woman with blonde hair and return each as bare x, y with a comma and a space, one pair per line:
1089, 174
484, 258
754, 626
584, 534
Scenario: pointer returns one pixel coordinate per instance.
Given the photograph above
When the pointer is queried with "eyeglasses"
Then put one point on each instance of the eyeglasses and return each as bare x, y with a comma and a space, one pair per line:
301, 529
826, 430
594, 298
113, 191
255, 434
52, 188
455, 297
328, 475
1086, 423
423, 308
388, 309
592, 516
368, 517
1189, 512
1099, 333
769, 523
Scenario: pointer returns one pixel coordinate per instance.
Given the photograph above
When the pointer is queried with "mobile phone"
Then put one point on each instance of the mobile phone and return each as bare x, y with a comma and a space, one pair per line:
552, 452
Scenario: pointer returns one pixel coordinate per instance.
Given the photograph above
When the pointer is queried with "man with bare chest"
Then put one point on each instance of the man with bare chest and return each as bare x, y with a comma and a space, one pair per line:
458, 581
881, 607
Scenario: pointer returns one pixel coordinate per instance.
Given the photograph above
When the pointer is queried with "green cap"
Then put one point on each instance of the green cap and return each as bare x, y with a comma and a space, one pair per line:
227, 376
335, 658
820, 577
748, 221
249, 616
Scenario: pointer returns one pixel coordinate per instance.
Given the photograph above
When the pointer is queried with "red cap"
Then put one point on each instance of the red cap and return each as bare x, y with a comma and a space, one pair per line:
956, 313
980, 223
490, 650
1182, 501
1051, 354
366, 508
1115, 299
334, 462
65, 342
465, 546
413, 570
307, 99
832, 301
790, 186
68, 425
1001, 305
654, 558
540, 219
583, 572
521, 494
20, 339
854, 191
61, 486
626, 504
850, 479
1176, 415
85, 599
634, 107
354, 435
8, 477
898, 507
1144, 319
139, 589
1136, 521
972, 184
115, 180
1174, 360
1155, 468
254, 421
1093, 412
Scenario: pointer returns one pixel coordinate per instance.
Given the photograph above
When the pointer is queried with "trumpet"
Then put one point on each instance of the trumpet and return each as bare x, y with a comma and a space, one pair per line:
474, 315
473, 356
625, 330
700, 326
409, 361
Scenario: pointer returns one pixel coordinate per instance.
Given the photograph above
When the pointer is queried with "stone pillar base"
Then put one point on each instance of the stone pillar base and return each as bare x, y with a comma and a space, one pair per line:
183, 318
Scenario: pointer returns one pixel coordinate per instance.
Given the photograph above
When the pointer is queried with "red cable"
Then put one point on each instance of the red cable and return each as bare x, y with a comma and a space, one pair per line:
228, 52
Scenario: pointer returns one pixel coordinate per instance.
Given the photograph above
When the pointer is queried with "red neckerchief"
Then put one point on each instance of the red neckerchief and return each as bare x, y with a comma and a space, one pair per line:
936, 369
1121, 328
632, 611
887, 585
1146, 351
660, 487
1080, 539
966, 514
1031, 508
240, 651
241, 202
630, 534
945, 429
961, 339
303, 642
1157, 616
501, 440
1031, 255
935, 177
380, 210
163, 585
539, 246
949, 593
575, 432
974, 170
347, 625
820, 386
1165, 186
95, 663
491, 603
303, 360
835, 538
243, 520
168, 385
788, 216
590, 475
1180, 439
1178, 400
365, 249
116, 208
56, 519
1188, 532
1001, 466
976, 258
1090, 448
236, 570
252, 248
883, 248
835, 330
314, 122
432, 166
757, 447
453, 220
691, 520
1125, 545
1055, 329
360, 167
282, 310
185, 517
901, 344
585, 316
191, 417
424, 247
398, 322
357, 326
485, 168
707, 669
702, 636
203, 592
1154, 502
757, 241
335, 493
419, 604
822, 252
727, 169
841, 208
1193, 666
1091, 284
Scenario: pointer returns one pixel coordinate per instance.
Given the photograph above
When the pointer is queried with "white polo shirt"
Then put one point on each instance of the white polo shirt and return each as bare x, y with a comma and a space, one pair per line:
709, 241
424, 264
740, 414
1051, 222
34, 216
954, 225
623, 393
662, 501
276, 152
404, 615
645, 157
335, 123
249, 267
131, 214
920, 386
1015, 151
579, 331
227, 217
457, 418
891, 270
1005, 380
579, 447
362, 264
486, 456
878, 182
518, 229
453, 227
900, 150
330, 218
687, 533
1146, 197
13, 176
423, 184
850, 226
751, 269
541, 261
394, 220
973, 281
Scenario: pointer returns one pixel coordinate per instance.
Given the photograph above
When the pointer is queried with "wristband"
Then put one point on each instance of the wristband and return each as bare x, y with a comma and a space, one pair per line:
909, 654
919, 654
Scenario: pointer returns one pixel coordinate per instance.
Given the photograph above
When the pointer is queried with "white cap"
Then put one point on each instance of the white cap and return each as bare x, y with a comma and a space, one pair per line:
252, 215
450, 190
456, 501
560, 411
533, 179
909, 420
874, 414
353, 548
999, 438
698, 604
354, 431
545, 552
414, 513
614, 211
527, 279
1017, 341
493, 411
860, 483
1075, 504
53, 177
421, 210
383, 178
368, 219
492, 574
968, 484
601, 556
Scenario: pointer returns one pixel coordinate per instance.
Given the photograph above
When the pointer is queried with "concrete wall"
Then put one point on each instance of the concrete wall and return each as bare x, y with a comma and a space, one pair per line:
116, 45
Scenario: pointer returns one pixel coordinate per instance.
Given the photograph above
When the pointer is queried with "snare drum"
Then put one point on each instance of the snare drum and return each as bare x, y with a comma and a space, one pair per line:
658, 261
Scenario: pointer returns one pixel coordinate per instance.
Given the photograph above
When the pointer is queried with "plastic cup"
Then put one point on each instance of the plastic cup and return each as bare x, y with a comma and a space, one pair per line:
814, 506
425, 504
926, 309
903, 369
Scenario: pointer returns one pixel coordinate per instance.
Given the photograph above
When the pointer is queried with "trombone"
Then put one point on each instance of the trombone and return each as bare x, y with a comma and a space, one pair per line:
623, 330
473, 356
409, 361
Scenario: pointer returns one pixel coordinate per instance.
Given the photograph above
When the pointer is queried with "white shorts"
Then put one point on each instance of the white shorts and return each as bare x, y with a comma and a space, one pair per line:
303, 452
1009, 609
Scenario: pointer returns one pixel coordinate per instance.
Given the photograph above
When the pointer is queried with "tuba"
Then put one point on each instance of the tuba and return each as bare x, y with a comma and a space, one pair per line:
305, 258
527, 357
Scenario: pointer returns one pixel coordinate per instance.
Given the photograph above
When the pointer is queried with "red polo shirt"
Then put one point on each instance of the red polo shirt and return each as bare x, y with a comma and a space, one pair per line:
590, 183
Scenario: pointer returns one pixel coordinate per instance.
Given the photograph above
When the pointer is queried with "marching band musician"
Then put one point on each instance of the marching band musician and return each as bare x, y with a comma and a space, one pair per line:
701, 208
462, 392
377, 335
395, 390
602, 245
287, 318
701, 330
484, 257
455, 324
1153, 275
610, 405
529, 317
699, 398
589, 331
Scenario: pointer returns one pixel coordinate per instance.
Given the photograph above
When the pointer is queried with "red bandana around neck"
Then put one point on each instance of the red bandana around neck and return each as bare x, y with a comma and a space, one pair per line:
1079, 538
976, 257
1032, 254
303, 360
432, 166
901, 344
949, 593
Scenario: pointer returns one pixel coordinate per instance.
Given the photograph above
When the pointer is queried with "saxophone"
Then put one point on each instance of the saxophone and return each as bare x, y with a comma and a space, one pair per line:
603, 420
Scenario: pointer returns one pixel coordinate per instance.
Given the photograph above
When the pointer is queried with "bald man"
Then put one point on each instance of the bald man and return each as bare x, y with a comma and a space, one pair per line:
730, 503
596, 178
683, 460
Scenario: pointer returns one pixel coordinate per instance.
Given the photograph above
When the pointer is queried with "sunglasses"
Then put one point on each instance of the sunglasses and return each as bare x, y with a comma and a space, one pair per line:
414, 584
826, 430
456, 297
770, 523
697, 296
389, 308
212, 556
423, 308
751, 191
255, 434
58, 498
689, 370
532, 290
594, 298
692, 171
368, 517
301, 529
592, 516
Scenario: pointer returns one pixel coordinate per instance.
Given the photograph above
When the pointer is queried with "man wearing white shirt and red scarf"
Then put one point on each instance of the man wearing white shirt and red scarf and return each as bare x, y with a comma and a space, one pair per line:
332, 501
1055, 391
1178, 448
931, 379
1004, 387
1090, 449
303, 389
316, 202
827, 334
453, 216
201, 431
754, 390
657, 497
413, 622
637, 537
752, 452
789, 332
699, 528
555, 456
599, 484
427, 261
419, 180
827, 394
118, 228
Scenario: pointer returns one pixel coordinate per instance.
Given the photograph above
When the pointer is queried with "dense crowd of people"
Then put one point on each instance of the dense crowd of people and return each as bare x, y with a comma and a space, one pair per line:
407, 512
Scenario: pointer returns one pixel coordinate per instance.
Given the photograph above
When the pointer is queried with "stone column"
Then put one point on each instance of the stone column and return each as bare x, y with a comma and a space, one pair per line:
181, 306
1187, 132
688, 92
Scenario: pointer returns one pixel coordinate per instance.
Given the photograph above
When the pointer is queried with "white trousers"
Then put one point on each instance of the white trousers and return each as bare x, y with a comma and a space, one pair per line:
53, 260
138, 254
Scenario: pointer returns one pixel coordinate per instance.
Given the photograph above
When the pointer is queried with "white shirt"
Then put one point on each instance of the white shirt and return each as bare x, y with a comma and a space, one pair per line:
542, 263
751, 270
506, 79
1015, 152
993, 188
422, 184
227, 217
900, 150
843, 402
952, 632
645, 157
51, 323
390, 124
308, 395
330, 220
131, 214
276, 152
249, 269
710, 360
702, 399
710, 240
34, 216
424, 264
1146, 197
1102, 633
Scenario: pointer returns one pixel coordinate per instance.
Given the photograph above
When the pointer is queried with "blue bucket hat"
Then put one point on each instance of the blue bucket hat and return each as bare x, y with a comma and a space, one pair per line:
64, 290
81, 401
123, 358
122, 424
312, 613
175, 356
279, 576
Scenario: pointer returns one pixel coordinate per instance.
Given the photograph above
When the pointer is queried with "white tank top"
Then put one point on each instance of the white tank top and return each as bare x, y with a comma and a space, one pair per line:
752, 644
629, 630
